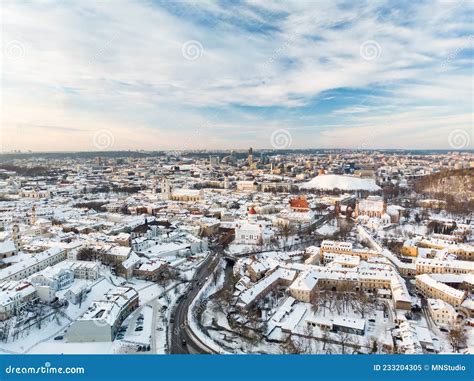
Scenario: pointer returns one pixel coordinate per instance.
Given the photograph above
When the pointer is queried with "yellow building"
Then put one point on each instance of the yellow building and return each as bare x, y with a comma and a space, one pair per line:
431, 288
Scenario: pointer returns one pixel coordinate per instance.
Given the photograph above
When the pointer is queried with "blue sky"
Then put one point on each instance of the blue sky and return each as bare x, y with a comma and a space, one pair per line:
91, 75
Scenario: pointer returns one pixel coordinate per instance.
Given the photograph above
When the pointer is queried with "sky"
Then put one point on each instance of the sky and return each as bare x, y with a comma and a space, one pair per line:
163, 75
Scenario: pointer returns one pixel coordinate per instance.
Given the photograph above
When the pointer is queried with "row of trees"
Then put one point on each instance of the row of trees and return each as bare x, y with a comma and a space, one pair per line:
344, 300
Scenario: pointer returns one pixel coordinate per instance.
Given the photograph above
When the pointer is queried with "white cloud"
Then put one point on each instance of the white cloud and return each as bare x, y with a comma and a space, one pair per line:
122, 67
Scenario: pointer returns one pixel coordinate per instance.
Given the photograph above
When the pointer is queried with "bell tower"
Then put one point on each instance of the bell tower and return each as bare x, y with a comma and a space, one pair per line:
165, 189
16, 236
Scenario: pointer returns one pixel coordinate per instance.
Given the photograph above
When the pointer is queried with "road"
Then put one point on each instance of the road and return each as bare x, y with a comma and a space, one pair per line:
179, 334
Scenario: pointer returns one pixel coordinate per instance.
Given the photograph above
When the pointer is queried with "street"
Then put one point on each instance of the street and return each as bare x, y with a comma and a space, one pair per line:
181, 342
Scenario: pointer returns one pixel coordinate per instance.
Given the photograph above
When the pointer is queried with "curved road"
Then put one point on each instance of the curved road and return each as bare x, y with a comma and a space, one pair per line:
181, 342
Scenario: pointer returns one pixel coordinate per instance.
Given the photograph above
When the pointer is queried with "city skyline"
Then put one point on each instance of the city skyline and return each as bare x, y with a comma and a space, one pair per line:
217, 75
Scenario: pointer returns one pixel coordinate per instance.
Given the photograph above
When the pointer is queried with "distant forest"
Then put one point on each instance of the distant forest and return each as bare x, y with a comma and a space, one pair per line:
456, 187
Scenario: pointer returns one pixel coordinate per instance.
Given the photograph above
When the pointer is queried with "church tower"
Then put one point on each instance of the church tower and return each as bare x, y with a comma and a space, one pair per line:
165, 189
33, 215
16, 236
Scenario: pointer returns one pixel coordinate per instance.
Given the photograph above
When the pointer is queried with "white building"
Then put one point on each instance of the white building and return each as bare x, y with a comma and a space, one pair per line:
104, 317
442, 313
443, 266
7, 249
33, 264
246, 186
51, 280
252, 231
14, 297
84, 269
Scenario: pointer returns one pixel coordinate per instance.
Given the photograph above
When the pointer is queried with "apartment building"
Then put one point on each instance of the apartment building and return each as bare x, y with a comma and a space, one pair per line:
431, 288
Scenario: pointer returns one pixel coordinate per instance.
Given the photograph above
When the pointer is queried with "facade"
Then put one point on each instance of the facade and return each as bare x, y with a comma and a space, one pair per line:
179, 194
372, 206
104, 317
373, 211
14, 297
51, 280
76, 293
34, 264
441, 266
85, 270
331, 248
251, 231
36, 193
127, 267
150, 270
187, 195
431, 288
304, 288
246, 186
442, 313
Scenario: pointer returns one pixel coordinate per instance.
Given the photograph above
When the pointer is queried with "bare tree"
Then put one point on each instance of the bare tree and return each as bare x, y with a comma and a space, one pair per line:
324, 336
82, 297
40, 312
345, 340
457, 337
301, 344
325, 302
363, 303
285, 230
289, 347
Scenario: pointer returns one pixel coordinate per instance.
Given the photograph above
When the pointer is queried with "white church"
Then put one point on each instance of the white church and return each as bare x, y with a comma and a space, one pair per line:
252, 231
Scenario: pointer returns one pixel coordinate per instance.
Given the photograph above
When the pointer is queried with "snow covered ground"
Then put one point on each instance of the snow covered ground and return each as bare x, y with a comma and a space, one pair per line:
328, 229
139, 327
61, 347
346, 183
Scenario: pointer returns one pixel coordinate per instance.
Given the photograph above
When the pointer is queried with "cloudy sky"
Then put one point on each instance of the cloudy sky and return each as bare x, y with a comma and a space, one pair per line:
114, 75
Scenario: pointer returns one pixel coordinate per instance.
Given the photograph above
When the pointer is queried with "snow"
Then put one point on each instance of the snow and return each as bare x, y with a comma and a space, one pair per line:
341, 182
327, 229
140, 337
60, 347
35, 339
